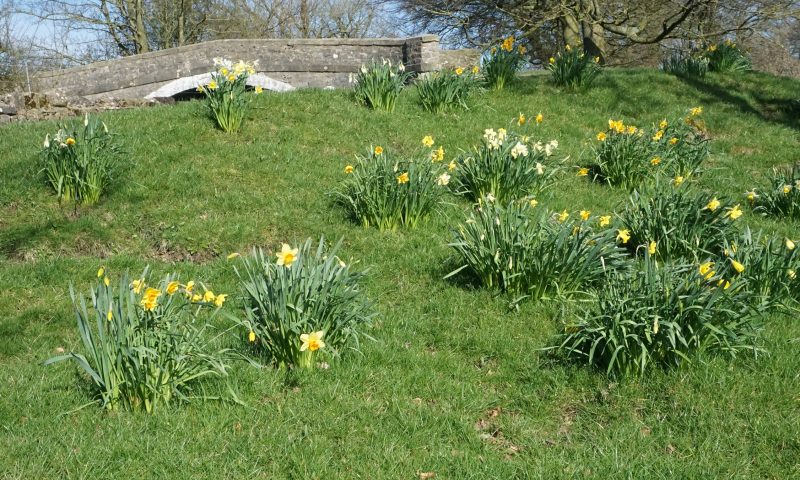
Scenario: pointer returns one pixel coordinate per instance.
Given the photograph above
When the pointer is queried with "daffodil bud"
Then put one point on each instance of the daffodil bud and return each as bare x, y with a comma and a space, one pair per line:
47, 141
86, 120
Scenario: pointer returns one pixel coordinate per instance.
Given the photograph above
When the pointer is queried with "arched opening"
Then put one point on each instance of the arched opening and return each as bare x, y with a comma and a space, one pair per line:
186, 88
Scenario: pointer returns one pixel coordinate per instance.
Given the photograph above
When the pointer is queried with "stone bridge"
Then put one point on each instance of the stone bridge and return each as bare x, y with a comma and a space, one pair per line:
283, 65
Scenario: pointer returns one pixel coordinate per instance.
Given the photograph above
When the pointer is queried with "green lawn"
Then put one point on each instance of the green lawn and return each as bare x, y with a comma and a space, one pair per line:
455, 383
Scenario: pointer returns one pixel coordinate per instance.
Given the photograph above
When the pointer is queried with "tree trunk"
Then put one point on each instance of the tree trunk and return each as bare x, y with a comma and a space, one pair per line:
571, 29
141, 40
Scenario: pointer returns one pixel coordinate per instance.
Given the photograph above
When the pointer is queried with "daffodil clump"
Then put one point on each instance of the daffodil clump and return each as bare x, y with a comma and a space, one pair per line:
573, 69
502, 62
146, 345
380, 190
523, 249
379, 84
303, 304
675, 220
226, 94
662, 315
683, 64
79, 161
628, 155
447, 89
506, 165
768, 265
782, 198
727, 57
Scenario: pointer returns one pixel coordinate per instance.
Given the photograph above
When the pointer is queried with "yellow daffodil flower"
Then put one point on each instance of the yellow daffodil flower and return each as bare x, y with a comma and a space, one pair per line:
678, 180
212, 85
651, 249
402, 178
137, 286
70, 141
583, 172
233, 255
451, 166
287, 255
585, 214
172, 287
737, 266
220, 299
208, 296
662, 124
655, 161
349, 169
787, 189
601, 136
563, 216
521, 119
475, 70
251, 337
101, 271
673, 141
605, 220
427, 140
696, 111
378, 150
658, 135
734, 212
459, 71
150, 299
539, 117
789, 245
623, 236
706, 271
106, 281
259, 90
533, 203
713, 204
312, 341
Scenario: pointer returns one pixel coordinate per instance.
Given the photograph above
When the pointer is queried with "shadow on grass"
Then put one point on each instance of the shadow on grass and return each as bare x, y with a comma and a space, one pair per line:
751, 98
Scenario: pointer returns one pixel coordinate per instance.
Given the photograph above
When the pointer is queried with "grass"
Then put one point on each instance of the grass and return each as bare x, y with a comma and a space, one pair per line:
454, 383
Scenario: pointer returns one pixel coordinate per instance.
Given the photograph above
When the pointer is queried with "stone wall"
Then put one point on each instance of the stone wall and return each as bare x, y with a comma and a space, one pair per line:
297, 62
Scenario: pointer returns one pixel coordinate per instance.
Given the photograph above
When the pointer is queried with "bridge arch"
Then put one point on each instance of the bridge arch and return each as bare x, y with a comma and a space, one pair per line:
190, 83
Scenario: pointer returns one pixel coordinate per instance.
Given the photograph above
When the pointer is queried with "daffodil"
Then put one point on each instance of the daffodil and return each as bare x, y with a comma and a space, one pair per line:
233, 255
601, 136
312, 341
751, 195
402, 178
678, 180
475, 70
521, 119
259, 90
287, 255
349, 169
662, 124
605, 220
582, 172
212, 85
585, 214
110, 313
623, 236
438, 154
101, 271
789, 244
563, 216
792, 274
427, 140
451, 166
150, 299
189, 286
673, 141
786, 188
70, 141
208, 296
172, 287
220, 299
533, 203
443, 179
734, 212
713, 204
658, 135
655, 326
552, 60
737, 266
137, 286
651, 249
106, 281
696, 111
251, 337
378, 150
459, 71
706, 271
197, 297
655, 161
539, 117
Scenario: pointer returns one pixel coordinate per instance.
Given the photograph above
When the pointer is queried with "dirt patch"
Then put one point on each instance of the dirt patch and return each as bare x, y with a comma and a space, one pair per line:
488, 429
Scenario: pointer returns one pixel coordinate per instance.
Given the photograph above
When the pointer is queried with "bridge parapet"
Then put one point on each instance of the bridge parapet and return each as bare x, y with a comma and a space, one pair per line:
296, 62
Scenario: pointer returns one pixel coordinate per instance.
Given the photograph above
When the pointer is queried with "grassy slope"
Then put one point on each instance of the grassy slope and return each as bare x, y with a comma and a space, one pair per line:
448, 359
